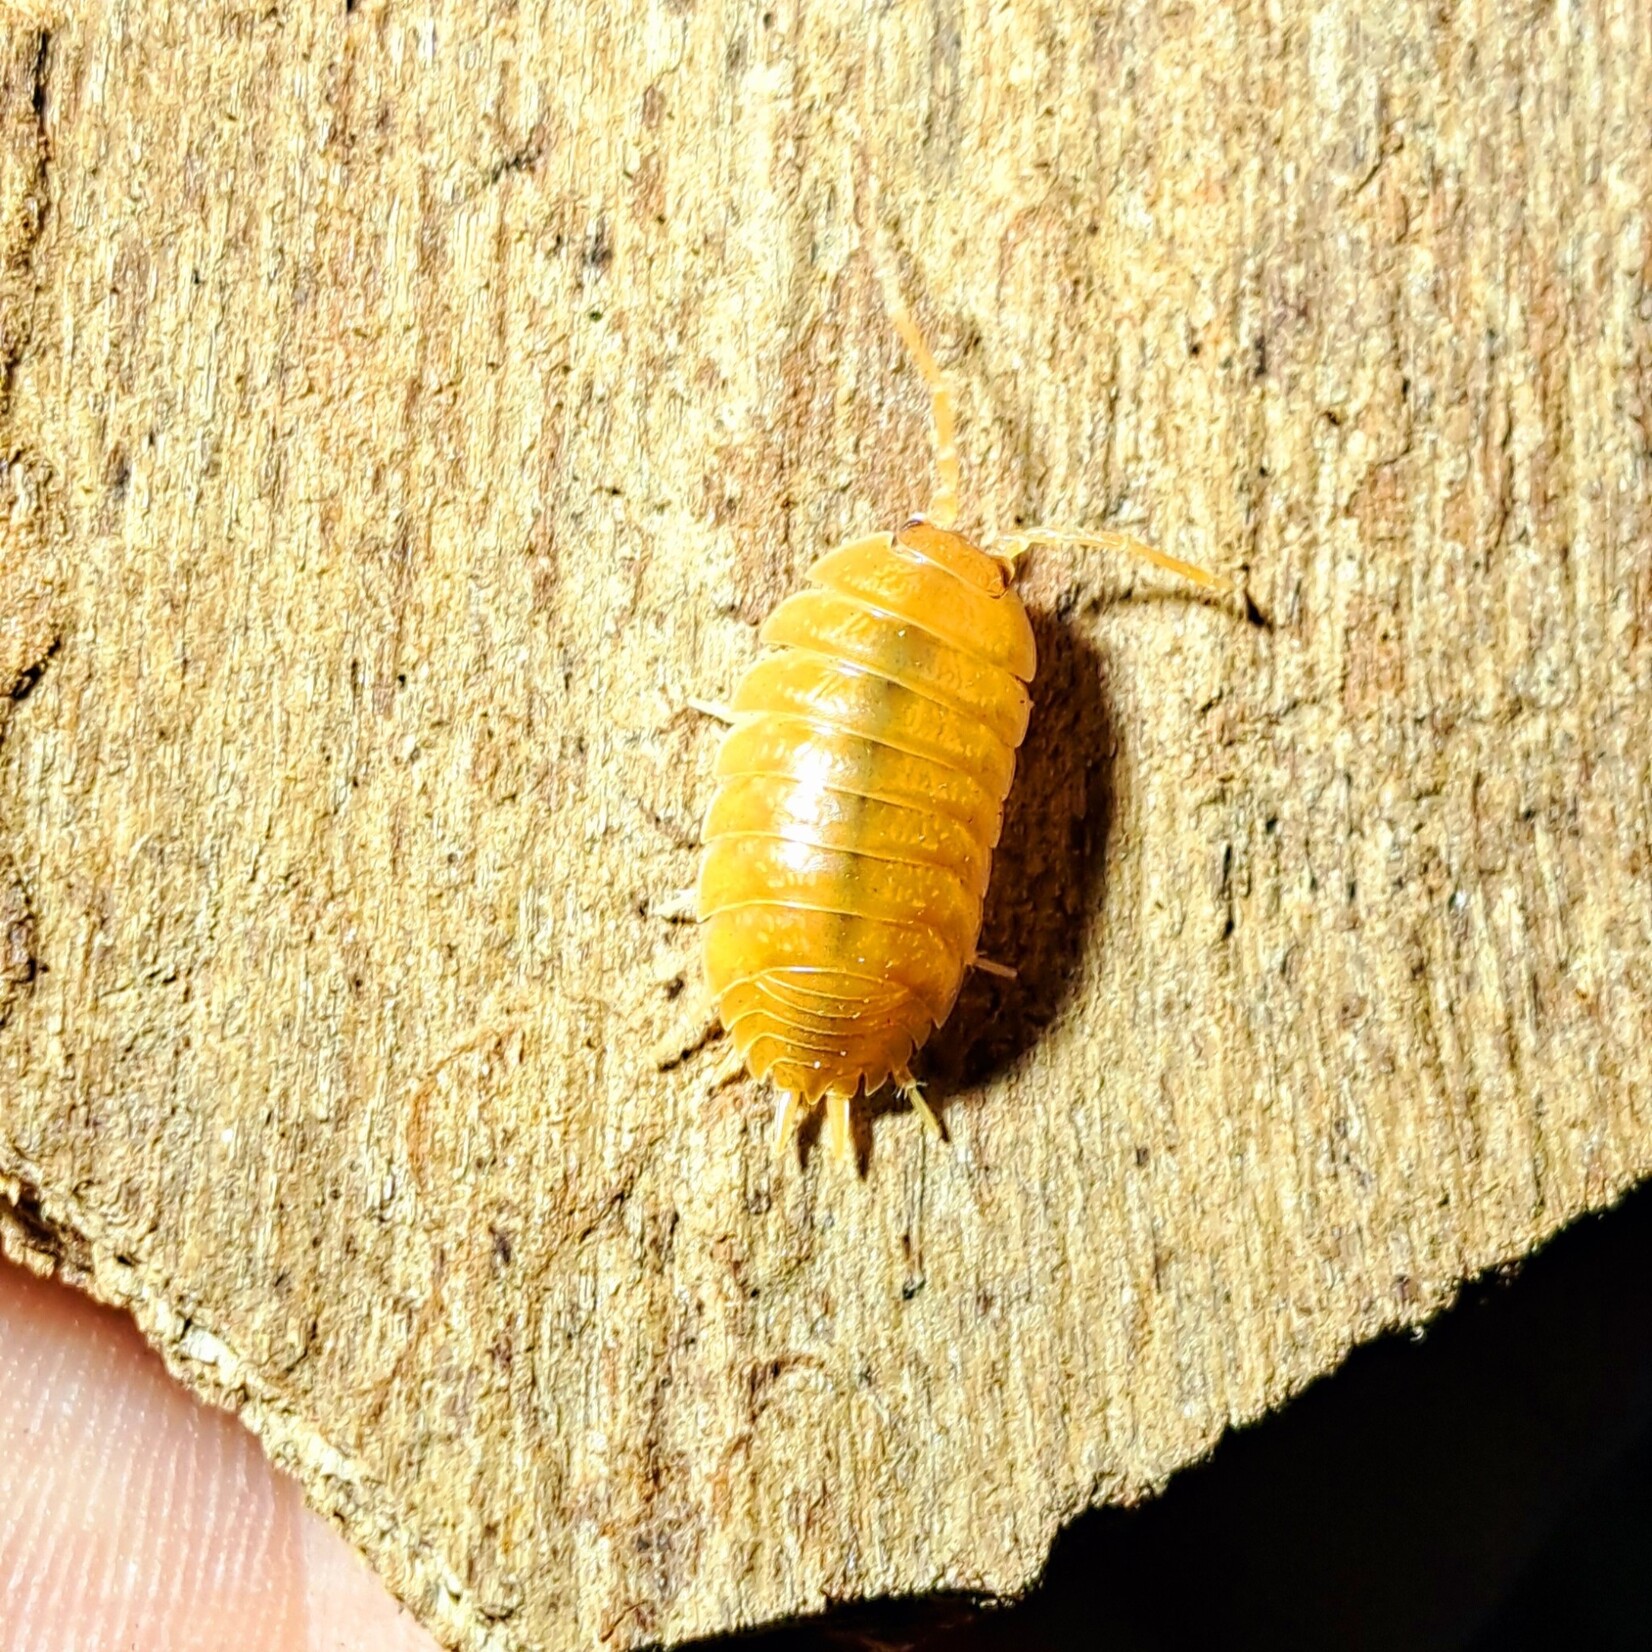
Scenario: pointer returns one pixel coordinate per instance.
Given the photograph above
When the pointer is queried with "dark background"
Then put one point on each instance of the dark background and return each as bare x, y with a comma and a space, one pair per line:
1486, 1485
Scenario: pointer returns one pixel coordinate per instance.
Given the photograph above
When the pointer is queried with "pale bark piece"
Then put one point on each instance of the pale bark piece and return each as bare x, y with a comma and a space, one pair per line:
410, 407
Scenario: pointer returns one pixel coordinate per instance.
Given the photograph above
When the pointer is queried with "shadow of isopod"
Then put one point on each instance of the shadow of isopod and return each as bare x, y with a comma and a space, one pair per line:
1045, 891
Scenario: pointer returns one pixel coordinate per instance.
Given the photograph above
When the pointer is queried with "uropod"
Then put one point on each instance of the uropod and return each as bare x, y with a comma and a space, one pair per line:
860, 792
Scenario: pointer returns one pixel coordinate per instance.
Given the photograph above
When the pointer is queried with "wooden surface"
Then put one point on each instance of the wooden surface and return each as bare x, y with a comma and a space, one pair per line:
408, 407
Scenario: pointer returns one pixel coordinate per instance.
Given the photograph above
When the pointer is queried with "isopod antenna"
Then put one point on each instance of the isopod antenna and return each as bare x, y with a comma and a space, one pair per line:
943, 502
1011, 547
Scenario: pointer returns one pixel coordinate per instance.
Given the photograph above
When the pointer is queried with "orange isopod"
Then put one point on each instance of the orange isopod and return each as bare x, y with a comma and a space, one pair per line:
860, 793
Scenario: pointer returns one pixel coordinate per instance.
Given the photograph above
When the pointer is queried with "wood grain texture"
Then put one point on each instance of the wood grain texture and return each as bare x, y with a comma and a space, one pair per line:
409, 405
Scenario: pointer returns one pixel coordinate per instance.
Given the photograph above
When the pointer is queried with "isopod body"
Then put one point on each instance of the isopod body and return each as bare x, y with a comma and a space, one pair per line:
859, 799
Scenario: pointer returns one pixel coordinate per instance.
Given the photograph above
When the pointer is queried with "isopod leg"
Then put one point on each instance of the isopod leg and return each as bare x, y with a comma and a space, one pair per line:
1009, 548
837, 1126
786, 1120
912, 1094
676, 906
731, 1067
991, 966
711, 708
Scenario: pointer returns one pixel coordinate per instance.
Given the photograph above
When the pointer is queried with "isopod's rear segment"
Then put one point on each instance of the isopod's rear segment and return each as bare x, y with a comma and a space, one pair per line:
861, 791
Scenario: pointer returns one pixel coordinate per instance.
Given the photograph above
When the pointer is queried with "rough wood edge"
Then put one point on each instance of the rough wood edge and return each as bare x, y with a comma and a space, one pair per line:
48, 1235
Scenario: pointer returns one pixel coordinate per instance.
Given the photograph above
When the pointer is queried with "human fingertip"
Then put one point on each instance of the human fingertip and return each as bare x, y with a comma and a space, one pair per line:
134, 1516
348, 1609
